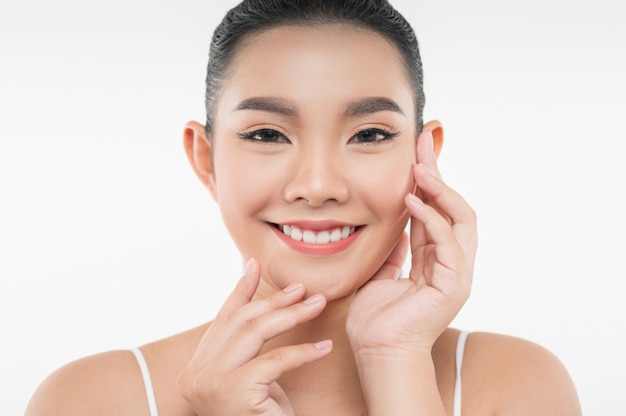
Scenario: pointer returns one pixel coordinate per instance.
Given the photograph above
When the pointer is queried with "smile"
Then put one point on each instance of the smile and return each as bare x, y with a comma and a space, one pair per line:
321, 237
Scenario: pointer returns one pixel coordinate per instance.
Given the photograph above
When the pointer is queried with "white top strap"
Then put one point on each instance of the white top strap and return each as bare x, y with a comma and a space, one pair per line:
147, 381
460, 352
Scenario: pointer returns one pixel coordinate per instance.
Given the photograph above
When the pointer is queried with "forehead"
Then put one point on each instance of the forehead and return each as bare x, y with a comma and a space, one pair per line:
333, 61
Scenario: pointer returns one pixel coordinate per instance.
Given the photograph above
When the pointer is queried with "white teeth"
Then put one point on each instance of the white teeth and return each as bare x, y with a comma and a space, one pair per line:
308, 237
296, 234
321, 237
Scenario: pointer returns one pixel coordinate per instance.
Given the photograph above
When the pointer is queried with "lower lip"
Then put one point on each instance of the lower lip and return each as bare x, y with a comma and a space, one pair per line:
318, 249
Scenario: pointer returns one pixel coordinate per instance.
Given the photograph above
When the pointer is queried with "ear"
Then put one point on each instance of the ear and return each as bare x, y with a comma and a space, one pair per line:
199, 154
436, 129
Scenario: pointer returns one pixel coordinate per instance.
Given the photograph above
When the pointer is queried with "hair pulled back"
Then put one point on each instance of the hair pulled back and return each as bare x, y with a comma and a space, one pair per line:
254, 16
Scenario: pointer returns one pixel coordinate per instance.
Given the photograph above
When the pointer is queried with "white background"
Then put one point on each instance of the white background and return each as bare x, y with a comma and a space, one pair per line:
107, 240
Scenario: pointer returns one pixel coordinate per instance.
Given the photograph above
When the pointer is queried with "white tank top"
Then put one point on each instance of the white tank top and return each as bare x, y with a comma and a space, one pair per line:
460, 352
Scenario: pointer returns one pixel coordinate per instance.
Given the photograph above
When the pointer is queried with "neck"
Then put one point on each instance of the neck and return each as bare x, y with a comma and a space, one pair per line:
333, 382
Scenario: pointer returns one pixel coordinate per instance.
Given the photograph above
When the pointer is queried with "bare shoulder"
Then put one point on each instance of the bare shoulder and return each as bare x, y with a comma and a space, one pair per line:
504, 375
103, 384
111, 383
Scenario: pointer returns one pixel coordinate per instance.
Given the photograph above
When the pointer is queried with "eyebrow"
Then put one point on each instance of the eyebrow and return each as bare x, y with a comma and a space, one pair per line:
371, 105
358, 108
269, 104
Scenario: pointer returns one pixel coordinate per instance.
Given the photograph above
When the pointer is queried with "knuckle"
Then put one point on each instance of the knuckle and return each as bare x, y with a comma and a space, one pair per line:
280, 355
225, 317
277, 297
220, 318
184, 383
200, 389
249, 325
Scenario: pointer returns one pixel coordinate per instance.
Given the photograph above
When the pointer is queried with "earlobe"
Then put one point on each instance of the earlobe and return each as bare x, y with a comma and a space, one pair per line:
436, 129
199, 155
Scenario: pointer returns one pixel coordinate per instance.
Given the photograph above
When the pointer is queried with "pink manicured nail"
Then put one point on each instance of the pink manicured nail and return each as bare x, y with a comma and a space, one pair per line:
414, 200
313, 299
324, 345
292, 287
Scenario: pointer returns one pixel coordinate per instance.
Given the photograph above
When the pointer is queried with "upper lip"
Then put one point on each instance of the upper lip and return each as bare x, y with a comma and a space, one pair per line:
317, 225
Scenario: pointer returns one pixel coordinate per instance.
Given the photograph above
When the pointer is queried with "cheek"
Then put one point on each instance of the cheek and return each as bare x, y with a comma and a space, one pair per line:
245, 180
386, 184
244, 188
383, 191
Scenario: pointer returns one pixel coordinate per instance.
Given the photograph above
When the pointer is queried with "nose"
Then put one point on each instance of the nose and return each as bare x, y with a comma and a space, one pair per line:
317, 177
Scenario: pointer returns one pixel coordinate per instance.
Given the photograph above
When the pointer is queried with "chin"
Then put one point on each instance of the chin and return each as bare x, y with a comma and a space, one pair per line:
335, 278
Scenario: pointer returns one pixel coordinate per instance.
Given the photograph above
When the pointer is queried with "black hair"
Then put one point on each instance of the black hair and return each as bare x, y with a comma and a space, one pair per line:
254, 16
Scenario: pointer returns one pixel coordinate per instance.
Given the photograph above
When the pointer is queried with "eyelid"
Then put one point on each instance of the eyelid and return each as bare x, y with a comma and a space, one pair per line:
248, 133
389, 134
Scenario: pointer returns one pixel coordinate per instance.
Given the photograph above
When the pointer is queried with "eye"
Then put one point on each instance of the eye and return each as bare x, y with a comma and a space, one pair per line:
372, 136
264, 136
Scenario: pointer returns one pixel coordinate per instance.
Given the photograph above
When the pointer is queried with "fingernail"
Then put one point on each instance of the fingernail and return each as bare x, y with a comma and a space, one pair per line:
292, 287
414, 200
313, 299
324, 345
249, 266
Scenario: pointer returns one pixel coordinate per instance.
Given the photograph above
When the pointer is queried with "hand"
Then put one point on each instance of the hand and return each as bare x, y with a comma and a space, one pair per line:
226, 375
409, 314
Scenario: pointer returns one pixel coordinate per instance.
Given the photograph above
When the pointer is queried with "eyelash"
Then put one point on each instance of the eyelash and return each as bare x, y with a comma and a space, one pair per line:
386, 135
256, 136
278, 137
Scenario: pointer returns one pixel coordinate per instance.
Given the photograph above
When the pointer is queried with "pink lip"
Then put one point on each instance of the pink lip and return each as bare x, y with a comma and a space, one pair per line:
317, 249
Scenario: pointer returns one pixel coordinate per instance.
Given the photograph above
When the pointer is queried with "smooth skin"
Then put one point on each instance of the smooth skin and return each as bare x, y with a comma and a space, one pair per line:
337, 333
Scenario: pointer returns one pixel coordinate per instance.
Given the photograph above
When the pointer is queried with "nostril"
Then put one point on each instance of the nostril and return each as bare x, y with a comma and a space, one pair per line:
316, 185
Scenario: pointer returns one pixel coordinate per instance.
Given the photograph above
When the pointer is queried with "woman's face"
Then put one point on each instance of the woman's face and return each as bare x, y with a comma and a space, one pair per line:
313, 143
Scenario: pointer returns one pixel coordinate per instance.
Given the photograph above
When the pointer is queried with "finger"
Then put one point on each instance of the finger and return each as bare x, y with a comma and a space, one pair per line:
239, 304
392, 267
418, 236
444, 263
447, 248
238, 308
268, 367
446, 198
426, 156
244, 290
249, 336
425, 152
218, 338
451, 205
